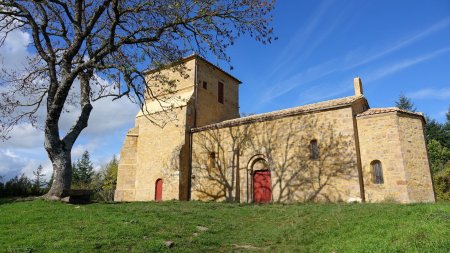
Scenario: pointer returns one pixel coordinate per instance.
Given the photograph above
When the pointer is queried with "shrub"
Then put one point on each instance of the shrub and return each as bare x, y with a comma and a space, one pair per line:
442, 183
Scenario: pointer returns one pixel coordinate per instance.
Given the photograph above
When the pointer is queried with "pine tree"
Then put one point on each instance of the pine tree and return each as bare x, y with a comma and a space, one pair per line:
19, 186
39, 181
447, 130
448, 117
83, 171
435, 130
50, 182
2, 187
438, 154
75, 174
405, 103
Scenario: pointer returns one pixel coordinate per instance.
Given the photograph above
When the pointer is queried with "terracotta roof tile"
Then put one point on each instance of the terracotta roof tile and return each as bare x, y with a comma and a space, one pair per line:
374, 111
283, 113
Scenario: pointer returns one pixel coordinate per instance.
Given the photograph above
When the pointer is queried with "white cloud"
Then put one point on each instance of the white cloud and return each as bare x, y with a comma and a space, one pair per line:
32, 165
24, 151
107, 115
11, 164
441, 94
14, 51
108, 124
323, 91
14, 163
442, 24
398, 66
353, 60
24, 136
326, 90
91, 146
301, 38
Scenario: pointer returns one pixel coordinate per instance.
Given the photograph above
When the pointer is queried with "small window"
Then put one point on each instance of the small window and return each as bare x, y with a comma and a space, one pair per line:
377, 172
314, 149
211, 161
205, 85
220, 93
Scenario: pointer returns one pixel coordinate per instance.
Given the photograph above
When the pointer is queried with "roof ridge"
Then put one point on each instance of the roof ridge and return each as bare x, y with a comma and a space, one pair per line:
323, 105
212, 64
188, 58
380, 110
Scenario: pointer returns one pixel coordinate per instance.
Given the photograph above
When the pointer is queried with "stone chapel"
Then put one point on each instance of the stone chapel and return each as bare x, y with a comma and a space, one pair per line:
190, 143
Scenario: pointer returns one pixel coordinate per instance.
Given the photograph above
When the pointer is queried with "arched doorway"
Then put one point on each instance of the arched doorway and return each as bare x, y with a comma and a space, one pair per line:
262, 183
158, 189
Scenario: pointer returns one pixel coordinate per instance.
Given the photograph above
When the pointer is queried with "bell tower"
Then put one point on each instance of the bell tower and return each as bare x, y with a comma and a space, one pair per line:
155, 157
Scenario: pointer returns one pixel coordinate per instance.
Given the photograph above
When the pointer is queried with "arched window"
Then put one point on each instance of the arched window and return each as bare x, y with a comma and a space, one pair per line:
314, 150
377, 172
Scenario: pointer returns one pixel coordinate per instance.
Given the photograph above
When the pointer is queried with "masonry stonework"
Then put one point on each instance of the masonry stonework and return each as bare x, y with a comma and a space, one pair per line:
283, 144
202, 150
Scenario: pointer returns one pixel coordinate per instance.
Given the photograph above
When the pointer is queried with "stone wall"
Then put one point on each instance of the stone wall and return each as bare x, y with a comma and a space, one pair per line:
160, 148
126, 178
284, 145
160, 145
209, 110
417, 172
397, 141
158, 152
201, 149
380, 140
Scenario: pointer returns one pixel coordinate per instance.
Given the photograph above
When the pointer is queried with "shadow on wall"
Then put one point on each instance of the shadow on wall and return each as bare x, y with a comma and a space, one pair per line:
308, 161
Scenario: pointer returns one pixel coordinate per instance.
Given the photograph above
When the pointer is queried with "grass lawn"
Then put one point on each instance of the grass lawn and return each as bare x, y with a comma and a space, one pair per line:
40, 226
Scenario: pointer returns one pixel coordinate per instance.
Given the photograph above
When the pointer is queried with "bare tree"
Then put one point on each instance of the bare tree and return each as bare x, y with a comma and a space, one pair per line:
90, 41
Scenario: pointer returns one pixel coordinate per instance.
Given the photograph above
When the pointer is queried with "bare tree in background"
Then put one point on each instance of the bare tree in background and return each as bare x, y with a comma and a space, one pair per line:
88, 42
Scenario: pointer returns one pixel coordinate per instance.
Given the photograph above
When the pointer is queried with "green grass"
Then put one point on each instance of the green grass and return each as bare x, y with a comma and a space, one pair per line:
40, 226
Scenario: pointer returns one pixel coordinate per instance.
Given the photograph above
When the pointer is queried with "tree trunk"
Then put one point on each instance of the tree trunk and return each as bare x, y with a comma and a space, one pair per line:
59, 150
62, 177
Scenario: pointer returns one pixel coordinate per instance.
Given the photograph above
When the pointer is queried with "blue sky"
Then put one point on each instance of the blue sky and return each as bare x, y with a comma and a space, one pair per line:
394, 46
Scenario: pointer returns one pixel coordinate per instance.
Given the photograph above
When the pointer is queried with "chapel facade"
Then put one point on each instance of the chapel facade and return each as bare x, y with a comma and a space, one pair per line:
191, 144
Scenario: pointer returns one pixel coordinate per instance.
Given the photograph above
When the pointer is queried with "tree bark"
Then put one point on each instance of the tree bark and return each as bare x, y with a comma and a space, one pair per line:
59, 150
62, 177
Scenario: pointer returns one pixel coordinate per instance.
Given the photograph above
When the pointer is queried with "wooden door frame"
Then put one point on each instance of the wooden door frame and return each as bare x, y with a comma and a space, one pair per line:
250, 164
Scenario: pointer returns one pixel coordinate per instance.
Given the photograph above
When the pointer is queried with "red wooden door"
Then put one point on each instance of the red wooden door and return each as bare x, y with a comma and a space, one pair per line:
262, 186
158, 189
